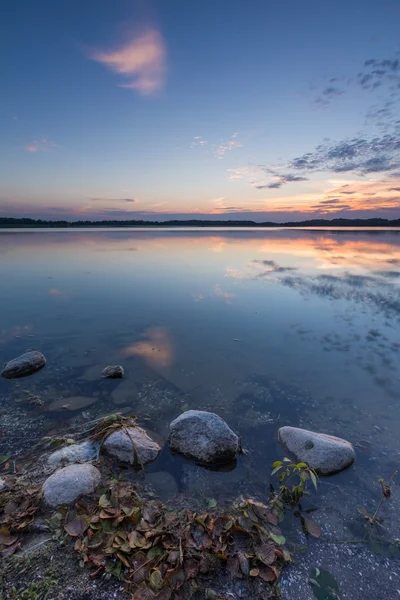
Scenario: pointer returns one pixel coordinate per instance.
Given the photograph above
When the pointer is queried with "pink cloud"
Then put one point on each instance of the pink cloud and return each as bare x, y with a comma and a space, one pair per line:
141, 61
41, 145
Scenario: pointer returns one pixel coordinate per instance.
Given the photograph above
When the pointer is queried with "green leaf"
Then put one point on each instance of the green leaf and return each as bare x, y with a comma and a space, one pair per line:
276, 469
313, 479
104, 501
4, 458
154, 552
212, 503
278, 539
277, 463
302, 465
287, 460
156, 580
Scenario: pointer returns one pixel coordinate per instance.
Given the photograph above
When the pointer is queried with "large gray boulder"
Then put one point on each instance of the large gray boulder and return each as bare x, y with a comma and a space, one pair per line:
204, 437
67, 484
326, 454
83, 452
132, 445
24, 365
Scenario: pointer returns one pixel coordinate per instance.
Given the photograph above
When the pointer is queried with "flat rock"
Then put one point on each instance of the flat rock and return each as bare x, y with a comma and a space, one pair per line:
113, 372
83, 452
67, 484
163, 483
204, 437
124, 393
132, 445
91, 373
326, 454
72, 403
24, 365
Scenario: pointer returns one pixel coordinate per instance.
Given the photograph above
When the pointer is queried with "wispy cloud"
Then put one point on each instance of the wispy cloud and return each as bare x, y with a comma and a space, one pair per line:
141, 61
264, 177
375, 73
328, 94
225, 147
218, 150
362, 155
113, 199
198, 141
41, 145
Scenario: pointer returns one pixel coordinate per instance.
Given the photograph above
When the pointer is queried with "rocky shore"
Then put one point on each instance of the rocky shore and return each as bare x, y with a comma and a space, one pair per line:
86, 504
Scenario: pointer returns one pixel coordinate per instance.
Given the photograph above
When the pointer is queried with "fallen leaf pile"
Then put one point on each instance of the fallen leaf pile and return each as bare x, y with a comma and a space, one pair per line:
157, 551
17, 511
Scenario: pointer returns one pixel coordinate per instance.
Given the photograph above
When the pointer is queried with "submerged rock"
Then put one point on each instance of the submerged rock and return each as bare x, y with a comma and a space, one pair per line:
124, 393
67, 484
203, 436
113, 372
83, 452
131, 444
163, 483
73, 403
24, 365
326, 454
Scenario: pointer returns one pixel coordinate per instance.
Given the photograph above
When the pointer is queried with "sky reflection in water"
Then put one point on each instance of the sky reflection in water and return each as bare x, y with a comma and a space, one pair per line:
264, 327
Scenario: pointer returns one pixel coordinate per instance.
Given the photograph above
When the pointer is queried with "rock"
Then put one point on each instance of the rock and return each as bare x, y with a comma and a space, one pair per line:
83, 452
163, 483
132, 445
124, 393
203, 436
24, 365
113, 372
3, 485
67, 484
326, 454
91, 373
73, 403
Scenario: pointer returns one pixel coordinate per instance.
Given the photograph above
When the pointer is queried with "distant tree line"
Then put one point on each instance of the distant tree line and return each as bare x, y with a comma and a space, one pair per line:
6, 222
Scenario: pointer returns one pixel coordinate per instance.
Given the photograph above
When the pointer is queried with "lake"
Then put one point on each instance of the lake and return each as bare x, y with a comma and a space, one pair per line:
265, 327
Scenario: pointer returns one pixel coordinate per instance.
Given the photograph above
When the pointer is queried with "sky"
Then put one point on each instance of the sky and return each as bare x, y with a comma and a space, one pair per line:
239, 109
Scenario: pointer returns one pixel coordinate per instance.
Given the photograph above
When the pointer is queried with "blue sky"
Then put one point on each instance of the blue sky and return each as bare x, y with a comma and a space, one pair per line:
240, 109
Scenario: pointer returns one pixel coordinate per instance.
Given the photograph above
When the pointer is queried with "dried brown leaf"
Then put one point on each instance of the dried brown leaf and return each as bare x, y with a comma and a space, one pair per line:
9, 550
76, 527
269, 574
141, 567
244, 563
266, 553
312, 527
151, 513
165, 594
233, 567
7, 539
272, 518
191, 568
143, 593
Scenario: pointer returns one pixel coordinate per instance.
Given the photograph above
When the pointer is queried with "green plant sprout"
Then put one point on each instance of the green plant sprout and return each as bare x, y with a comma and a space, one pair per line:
298, 475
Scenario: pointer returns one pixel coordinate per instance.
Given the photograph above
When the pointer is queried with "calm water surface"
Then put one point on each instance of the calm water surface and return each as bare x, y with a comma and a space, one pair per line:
266, 328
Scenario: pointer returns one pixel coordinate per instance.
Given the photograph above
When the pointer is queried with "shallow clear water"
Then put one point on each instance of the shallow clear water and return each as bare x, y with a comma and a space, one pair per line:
266, 328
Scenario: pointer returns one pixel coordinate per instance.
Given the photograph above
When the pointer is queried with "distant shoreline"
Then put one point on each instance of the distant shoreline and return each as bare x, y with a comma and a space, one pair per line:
27, 223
